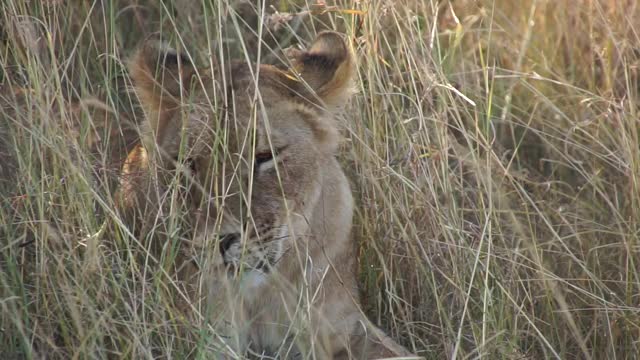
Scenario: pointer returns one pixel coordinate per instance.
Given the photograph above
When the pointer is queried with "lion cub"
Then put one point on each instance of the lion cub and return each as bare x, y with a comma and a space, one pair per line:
252, 149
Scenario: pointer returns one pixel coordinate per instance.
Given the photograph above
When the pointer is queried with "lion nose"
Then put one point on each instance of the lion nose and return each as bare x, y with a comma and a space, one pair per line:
226, 241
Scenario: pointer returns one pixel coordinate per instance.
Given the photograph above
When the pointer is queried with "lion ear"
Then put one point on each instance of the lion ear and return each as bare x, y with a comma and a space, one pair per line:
161, 77
326, 68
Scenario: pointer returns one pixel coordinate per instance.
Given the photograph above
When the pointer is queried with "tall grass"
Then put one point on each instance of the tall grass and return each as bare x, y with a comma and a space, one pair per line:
492, 145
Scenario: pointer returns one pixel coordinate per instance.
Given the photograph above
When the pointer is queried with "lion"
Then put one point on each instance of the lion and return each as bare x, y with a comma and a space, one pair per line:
252, 152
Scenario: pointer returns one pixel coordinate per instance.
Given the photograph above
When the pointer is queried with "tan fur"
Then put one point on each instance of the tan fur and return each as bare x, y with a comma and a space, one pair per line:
280, 266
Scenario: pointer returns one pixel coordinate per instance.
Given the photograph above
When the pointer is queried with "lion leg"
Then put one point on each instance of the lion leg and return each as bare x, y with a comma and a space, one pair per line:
369, 342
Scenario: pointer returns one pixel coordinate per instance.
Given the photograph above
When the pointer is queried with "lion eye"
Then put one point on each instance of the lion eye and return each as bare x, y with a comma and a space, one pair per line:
263, 157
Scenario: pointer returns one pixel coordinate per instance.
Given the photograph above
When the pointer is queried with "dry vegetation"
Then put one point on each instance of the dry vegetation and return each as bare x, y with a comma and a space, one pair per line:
493, 148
